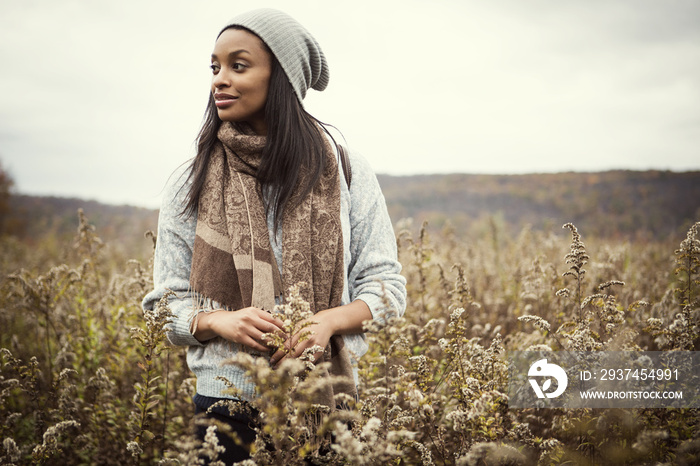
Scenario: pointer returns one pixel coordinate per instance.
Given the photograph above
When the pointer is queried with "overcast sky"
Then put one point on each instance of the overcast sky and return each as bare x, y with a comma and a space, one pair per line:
103, 99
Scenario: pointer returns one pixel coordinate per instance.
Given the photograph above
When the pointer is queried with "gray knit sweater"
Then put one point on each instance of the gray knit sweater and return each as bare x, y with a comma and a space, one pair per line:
372, 272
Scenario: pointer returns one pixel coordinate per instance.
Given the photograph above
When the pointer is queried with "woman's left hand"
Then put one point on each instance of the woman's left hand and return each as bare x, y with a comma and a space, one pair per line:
320, 334
335, 321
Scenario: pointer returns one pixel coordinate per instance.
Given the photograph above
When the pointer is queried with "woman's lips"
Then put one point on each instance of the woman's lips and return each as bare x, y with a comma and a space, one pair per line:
224, 100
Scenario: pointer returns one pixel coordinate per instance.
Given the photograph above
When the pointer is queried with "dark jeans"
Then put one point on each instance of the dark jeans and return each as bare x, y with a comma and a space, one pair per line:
240, 424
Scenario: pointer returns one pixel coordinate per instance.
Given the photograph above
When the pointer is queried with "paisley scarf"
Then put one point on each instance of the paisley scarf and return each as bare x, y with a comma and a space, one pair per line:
233, 262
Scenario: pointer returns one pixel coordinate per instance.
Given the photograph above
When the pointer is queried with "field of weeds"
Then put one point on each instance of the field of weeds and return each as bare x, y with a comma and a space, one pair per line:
87, 378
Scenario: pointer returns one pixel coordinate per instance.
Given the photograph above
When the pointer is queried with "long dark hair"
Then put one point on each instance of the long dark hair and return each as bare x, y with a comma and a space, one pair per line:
294, 143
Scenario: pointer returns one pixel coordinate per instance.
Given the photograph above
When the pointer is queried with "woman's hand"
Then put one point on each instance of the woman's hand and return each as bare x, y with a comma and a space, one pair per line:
321, 332
336, 321
245, 326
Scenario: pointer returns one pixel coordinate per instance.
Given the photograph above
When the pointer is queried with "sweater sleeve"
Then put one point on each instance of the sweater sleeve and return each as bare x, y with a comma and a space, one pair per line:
172, 262
374, 274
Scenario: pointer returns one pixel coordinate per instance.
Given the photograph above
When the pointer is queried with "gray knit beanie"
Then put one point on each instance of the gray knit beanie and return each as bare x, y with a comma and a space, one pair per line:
295, 48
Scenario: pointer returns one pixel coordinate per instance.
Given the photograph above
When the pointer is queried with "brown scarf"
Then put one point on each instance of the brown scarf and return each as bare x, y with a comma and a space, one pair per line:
233, 262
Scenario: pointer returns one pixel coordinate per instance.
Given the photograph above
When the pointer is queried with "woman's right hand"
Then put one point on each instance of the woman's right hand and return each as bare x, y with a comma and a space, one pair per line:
245, 326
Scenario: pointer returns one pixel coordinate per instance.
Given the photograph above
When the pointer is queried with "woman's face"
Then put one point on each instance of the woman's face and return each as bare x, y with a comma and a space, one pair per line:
241, 68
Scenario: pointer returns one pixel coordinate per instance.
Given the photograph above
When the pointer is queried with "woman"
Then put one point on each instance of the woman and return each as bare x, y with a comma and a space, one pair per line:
264, 206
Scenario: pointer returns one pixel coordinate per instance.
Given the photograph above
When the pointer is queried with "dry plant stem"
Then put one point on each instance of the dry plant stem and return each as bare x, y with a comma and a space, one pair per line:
688, 260
577, 257
421, 252
152, 339
165, 405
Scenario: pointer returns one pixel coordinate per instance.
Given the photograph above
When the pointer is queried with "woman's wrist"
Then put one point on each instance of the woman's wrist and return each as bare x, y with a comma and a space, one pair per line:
345, 319
329, 318
203, 325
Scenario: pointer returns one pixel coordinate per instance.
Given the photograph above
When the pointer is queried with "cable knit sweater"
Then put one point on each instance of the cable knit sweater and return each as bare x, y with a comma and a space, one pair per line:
372, 272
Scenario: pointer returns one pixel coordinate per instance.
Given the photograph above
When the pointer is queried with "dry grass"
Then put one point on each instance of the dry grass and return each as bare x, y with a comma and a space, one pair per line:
86, 378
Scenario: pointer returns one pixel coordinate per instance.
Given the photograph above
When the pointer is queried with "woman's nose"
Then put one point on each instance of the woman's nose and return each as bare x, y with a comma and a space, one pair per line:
220, 79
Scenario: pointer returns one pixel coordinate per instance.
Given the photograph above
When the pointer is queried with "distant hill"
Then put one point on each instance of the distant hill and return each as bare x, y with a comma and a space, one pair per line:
634, 204
33, 218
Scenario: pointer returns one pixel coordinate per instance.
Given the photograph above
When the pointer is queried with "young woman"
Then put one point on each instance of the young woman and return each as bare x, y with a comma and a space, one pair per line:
264, 205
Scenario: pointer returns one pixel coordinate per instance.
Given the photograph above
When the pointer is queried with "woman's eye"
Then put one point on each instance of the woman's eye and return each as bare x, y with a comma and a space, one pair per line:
214, 68
238, 66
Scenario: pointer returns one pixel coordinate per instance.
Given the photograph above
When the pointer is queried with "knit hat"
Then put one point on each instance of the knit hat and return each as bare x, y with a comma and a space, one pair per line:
294, 47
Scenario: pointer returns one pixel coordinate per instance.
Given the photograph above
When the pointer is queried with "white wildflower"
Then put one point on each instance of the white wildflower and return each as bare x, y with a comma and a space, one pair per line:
134, 448
541, 348
346, 444
425, 456
211, 445
51, 436
550, 444
370, 429
537, 321
456, 314
492, 453
11, 449
458, 419
415, 398
646, 440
